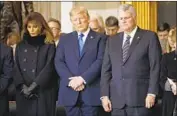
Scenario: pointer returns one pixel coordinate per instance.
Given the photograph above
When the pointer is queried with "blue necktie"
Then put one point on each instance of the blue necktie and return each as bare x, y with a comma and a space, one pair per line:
125, 48
81, 43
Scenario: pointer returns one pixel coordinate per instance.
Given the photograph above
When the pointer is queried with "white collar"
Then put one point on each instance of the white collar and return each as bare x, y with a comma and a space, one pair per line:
132, 33
85, 33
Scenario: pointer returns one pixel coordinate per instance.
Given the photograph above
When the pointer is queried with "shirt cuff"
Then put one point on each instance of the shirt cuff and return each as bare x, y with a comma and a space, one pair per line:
152, 94
83, 80
103, 97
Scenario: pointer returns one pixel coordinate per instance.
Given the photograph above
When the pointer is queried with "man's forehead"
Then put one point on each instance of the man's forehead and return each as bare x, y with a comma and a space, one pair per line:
112, 27
163, 32
79, 14
52, 23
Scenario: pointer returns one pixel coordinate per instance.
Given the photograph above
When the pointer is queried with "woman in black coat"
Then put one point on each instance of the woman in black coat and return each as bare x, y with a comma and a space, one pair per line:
34, 73
169, 70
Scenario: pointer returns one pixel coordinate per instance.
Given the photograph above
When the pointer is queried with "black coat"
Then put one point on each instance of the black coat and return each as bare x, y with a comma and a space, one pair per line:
6, 66
35, 63
168, 69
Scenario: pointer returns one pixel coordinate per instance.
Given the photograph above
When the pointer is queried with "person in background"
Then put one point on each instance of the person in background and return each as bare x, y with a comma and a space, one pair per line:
131, 68
78, 62
13, 39
168, 80
96, 23
162, 32
112, 25
55, 27
171, 42
34, 72
6, 67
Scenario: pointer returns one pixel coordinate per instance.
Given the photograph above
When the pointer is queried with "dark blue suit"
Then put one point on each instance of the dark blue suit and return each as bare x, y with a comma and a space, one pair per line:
68, 63
6, 66
129, 82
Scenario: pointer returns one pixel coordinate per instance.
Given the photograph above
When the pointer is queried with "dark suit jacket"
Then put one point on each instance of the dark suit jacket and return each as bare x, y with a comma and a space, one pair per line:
6, 65
130, 82
68, 63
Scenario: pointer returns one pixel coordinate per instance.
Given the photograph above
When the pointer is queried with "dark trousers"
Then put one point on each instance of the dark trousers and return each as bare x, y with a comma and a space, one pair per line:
81, 109
130, 111
4, 106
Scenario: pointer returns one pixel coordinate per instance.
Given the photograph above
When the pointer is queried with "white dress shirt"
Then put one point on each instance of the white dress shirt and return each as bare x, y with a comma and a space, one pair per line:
85, 34
131, 34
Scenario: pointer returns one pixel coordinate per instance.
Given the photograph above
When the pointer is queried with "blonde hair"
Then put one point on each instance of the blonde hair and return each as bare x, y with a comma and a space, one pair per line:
79, 10
172, 36
98, 18
16, 35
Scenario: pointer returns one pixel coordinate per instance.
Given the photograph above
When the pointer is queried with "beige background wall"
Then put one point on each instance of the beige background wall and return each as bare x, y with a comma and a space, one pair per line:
53, 9
146, 11
104, 9
48, 9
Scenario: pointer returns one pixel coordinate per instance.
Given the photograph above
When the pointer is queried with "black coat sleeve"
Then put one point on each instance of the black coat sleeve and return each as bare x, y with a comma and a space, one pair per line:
48, 72
154, 53
106, 72
163, 71
7, 66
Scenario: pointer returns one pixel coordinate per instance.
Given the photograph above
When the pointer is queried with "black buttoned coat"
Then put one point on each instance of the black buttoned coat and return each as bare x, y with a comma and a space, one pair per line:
35, 63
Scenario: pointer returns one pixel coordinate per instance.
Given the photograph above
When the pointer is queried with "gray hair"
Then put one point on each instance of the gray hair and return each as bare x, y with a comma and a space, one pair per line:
94, 16
127, 7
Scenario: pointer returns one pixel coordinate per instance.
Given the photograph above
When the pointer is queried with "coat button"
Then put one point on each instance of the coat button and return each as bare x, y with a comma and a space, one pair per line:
35, 50
25, 50
24, 69
24, 60
33, 70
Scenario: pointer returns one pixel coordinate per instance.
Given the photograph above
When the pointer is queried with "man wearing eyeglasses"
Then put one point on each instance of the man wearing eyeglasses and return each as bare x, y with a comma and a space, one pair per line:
130, 69
55, 27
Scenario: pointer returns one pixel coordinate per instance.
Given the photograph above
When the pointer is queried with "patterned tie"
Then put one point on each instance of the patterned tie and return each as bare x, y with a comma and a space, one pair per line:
125, 48
81, 43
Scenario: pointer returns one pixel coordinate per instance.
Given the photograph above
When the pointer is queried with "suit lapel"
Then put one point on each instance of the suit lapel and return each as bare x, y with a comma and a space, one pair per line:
135, 41
75, 44
119, 46
90, 40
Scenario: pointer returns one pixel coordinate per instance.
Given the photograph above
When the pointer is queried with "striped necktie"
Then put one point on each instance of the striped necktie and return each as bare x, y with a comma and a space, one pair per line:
125, 48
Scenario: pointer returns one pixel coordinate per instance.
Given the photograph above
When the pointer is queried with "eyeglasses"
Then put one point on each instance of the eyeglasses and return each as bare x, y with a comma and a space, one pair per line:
125, 18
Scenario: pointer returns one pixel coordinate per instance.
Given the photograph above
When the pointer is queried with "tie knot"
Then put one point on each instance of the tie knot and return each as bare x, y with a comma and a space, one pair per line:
81, 35
128, 37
